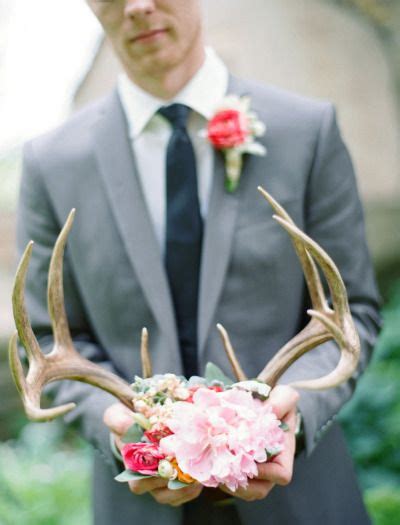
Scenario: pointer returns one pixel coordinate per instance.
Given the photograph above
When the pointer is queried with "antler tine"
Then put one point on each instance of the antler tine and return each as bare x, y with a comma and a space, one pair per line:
237, 369
311, 336
145, 355
63, 362
31, 396
333, 277
310, 271
349, 344
325, 323
25, 332
55, 290
15, 364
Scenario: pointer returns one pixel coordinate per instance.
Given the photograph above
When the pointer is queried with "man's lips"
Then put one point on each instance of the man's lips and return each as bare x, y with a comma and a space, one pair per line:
148, 35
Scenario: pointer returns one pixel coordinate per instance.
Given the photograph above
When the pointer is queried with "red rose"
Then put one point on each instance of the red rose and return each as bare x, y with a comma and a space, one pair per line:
227, 129
157, 432
142, 457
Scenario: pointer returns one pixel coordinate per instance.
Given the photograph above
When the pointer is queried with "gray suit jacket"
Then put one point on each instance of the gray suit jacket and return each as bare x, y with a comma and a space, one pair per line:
251, 282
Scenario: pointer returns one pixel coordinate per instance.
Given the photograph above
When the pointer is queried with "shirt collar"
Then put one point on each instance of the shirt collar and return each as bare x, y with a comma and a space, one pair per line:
202, 94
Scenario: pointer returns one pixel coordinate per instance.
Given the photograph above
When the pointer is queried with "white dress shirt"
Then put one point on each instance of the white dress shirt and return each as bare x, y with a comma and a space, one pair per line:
150, 132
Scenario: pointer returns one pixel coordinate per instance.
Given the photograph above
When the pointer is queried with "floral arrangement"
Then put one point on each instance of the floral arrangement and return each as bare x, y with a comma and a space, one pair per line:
208, 430
233, 130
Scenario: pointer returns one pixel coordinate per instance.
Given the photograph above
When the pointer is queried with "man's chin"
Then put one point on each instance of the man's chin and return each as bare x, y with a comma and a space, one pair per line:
154, 63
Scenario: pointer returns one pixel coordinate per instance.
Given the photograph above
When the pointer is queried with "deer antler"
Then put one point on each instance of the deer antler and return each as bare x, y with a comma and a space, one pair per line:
326, 323
63, 362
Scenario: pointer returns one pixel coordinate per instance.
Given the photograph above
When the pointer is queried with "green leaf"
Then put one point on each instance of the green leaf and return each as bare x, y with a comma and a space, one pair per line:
128, 475
133, 434
284, 426
174, 484
213, 373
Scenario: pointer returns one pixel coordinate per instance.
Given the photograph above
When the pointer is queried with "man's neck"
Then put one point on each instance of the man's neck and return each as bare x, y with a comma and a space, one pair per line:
165, 85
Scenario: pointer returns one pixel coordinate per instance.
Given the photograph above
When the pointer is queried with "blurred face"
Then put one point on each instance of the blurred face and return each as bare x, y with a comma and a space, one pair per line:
151, 36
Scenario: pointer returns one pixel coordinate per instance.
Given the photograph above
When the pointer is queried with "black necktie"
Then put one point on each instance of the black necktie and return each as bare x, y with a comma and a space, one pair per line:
184, 231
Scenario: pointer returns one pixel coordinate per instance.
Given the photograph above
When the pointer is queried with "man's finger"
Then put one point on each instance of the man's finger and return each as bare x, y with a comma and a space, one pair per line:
176, 498
256, 490
118, 418
147, 485
278, 473
283, 399
280, 468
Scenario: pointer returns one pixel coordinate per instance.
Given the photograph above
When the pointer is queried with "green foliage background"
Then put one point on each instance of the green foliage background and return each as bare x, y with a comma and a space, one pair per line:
372, 422
44, 478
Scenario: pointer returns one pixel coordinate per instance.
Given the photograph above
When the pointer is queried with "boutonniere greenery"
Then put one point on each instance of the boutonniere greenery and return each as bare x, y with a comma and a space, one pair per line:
233, 130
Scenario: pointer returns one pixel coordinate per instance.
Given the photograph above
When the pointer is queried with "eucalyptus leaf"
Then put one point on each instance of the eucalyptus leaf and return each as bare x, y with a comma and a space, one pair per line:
133, 434
128, 475
174, 484
213, 373
284, 426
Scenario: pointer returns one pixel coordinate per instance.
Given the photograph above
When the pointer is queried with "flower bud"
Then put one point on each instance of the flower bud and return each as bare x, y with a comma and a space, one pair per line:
140, 405
166, 470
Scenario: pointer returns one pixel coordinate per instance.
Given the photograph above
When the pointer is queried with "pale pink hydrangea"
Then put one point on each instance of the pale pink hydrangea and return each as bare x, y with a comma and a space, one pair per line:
221, 436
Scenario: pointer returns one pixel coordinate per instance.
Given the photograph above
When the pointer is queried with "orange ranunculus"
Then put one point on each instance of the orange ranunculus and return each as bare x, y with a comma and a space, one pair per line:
182, 476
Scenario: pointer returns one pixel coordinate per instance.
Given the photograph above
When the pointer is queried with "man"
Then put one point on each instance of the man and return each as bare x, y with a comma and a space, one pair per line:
125, 269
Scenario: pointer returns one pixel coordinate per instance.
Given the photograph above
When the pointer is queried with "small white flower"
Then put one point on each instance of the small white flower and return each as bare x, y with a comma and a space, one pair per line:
182, 393
258, 128
166, 470
153, 420
255, 148
140, 405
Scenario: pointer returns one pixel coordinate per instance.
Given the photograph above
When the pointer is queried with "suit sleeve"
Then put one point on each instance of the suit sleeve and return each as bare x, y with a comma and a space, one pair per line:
334, 219
36, 220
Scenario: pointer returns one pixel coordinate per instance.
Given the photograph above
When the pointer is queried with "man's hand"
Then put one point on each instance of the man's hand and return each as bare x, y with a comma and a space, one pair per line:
279, 470
118, 418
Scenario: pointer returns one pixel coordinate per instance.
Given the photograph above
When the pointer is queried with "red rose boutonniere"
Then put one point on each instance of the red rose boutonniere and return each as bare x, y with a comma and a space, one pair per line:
233, 129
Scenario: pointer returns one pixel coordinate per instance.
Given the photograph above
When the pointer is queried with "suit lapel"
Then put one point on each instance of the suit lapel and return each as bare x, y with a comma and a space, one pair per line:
118, 169
219, 233
220, 226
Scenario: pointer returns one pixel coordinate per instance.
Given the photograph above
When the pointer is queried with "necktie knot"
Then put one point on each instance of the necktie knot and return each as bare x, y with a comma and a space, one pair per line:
176, 114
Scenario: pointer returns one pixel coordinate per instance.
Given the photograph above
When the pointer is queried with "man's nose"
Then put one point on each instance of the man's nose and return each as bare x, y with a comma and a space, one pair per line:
139, 7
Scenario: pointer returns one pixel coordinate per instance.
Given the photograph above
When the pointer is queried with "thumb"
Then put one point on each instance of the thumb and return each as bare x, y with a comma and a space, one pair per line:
283, 399
118, 418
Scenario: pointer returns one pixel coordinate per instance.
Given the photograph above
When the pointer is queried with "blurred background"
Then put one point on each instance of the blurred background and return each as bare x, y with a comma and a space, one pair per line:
54, 59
